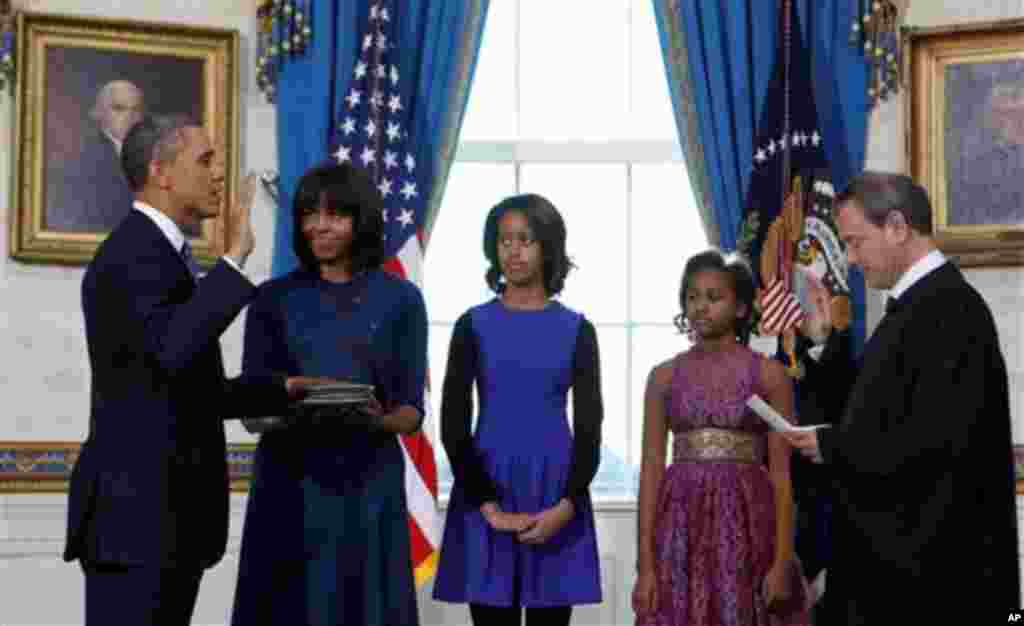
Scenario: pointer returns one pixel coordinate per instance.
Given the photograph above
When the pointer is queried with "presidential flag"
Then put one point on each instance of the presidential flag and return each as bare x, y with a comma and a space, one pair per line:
372, 132
789, 232
790, 237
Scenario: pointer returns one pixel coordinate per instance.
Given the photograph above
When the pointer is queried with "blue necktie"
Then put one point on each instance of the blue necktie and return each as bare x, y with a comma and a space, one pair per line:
190, 261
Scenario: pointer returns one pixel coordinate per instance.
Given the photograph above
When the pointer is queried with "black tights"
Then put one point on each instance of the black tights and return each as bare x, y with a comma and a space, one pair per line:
484, 615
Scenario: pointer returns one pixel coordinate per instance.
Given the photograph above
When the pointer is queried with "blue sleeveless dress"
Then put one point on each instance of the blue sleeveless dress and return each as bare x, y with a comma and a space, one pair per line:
525, 361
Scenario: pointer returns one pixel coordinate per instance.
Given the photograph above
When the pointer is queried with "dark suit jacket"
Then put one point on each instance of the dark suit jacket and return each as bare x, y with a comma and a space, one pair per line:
925, 519
151, 484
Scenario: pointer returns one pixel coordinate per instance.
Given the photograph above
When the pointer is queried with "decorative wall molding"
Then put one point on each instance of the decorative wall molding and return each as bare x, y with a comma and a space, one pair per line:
45, 466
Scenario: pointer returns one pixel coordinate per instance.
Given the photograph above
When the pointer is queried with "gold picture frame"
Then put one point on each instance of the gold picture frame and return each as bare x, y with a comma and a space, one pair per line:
965, 135
68, 190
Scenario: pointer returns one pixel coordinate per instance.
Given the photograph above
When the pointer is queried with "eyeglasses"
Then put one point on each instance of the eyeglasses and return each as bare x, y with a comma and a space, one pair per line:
522, 239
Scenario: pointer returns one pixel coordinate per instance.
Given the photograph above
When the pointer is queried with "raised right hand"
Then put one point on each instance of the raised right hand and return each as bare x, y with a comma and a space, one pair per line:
645, 594
818, 320
243, 240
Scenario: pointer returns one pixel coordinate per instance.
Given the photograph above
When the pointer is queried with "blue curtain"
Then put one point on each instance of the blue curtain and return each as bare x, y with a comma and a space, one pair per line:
439, 42
309, 91
840, 75
718, 58
726, 49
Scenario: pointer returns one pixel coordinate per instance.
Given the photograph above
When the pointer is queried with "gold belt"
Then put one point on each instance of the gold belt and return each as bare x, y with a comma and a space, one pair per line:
717, 444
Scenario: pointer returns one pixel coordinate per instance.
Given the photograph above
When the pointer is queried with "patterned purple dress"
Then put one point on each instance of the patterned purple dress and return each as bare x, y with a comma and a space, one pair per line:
715, 529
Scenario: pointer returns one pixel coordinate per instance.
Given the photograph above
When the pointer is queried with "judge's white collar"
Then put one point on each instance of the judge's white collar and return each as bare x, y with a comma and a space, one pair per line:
924, 266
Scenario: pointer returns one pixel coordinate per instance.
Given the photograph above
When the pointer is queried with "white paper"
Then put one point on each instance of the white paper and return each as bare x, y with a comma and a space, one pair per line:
776, 421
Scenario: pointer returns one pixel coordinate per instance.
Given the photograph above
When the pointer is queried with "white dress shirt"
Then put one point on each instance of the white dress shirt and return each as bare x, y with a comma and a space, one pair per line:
171, 230
924, 266
117, 144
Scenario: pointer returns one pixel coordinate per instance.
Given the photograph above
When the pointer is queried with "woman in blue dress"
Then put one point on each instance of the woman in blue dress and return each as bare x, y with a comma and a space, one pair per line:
520, 526
326, 538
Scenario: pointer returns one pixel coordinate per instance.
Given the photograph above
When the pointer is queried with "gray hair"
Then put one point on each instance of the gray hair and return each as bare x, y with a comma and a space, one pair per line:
881, 193
157, 138
101, 107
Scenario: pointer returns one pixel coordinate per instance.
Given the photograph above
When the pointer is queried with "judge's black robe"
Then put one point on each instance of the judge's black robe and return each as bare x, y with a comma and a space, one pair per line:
925, 523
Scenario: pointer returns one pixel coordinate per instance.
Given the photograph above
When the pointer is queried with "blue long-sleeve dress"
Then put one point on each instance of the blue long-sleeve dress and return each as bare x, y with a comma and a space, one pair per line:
326, 537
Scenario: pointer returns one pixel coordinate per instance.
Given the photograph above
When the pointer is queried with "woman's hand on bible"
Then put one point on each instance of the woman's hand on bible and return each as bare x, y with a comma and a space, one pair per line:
297, 386
374, 408
547, 523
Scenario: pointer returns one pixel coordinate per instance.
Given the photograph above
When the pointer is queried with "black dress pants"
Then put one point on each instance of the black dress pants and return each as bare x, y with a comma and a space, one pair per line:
140, 596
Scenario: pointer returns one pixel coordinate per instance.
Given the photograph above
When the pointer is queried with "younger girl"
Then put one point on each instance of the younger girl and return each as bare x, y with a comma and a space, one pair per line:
520, 528
715, 536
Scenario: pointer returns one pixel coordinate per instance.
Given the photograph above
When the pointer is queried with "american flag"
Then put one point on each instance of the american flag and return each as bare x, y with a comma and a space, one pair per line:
781, 310
372, 132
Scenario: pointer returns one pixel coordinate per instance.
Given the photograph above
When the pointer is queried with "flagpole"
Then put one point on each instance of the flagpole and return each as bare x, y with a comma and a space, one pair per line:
783, 249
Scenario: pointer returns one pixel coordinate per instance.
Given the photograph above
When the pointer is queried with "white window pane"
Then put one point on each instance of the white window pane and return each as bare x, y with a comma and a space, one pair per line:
651, 345
573, 69
491, 110
455, 265
615, 477
666, 230
592, 200
651, 114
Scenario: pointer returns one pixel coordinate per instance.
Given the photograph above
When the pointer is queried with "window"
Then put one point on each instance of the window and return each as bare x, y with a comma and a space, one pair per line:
583, 117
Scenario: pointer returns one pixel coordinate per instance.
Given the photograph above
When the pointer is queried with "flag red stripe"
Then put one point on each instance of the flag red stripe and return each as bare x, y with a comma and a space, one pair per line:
422, 454
420, 548
394, 266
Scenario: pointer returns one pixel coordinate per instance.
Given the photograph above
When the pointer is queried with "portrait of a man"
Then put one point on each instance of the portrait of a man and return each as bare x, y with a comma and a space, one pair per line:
83, 83
95, 97
985, 143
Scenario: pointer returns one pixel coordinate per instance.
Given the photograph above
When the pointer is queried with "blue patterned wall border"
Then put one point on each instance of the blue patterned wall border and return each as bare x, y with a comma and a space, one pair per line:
45, 466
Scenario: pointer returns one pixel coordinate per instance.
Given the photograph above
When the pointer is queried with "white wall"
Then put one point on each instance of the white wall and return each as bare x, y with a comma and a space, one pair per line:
44, 370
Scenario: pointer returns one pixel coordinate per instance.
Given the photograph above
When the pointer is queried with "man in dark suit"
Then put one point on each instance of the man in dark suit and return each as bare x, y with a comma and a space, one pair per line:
148, 505
925, 524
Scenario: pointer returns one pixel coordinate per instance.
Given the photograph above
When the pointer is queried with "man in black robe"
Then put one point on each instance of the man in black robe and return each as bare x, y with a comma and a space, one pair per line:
925, 524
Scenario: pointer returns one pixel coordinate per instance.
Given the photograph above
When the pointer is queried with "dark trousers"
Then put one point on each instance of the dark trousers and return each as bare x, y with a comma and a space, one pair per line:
484, 615
140, 596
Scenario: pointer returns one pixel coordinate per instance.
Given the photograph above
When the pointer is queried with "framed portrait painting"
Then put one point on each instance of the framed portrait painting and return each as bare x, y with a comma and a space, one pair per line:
81, 84
965, 143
